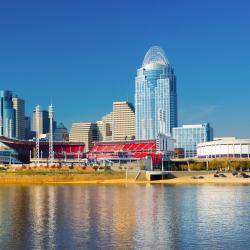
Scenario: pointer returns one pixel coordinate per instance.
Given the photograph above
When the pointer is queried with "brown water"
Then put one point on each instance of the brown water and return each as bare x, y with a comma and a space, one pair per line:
124, 217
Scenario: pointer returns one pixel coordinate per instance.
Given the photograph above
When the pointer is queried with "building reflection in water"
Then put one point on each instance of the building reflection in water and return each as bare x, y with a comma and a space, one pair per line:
122, 217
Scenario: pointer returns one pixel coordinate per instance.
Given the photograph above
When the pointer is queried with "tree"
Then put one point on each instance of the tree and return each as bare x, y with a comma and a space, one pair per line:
213, 165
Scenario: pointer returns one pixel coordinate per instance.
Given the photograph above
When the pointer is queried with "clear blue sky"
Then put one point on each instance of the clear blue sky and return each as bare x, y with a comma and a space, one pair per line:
84, 55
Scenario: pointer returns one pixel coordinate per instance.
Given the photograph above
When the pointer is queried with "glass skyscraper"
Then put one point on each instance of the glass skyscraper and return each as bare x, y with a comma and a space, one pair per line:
188, 136
155, 96
7, 115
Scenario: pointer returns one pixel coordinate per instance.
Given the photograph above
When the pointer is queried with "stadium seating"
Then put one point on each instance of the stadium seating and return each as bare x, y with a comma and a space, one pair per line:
125, 149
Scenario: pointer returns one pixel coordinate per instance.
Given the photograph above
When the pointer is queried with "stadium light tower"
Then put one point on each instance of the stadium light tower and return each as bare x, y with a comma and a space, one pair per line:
51, 116
37, 118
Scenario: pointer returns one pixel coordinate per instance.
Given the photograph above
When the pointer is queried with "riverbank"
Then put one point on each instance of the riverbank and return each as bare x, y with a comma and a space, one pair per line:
73, 177
58, 176
208, 179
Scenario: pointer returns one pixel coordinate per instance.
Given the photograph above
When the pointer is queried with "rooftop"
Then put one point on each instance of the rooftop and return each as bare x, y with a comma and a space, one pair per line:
155, 56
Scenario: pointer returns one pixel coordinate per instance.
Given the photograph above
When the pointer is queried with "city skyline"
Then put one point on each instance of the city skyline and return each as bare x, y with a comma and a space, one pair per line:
209, 50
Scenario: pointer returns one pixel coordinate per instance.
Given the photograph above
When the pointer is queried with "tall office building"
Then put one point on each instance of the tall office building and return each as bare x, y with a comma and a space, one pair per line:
7, 115
28, 133
19, 107
86, 132
106, 130
123, 121
119, 124
43, 122
188, 136
155, 96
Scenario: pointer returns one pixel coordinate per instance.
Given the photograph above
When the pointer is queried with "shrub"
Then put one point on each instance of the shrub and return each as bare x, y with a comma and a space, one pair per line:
183, 167
142, 166
107, 168
197, 166
95, 167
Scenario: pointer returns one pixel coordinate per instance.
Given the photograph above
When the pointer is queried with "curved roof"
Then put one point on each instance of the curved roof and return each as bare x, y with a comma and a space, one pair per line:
224, 142
155, 55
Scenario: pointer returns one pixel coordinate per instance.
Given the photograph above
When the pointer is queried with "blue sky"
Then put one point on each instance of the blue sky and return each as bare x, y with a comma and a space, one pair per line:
84, 55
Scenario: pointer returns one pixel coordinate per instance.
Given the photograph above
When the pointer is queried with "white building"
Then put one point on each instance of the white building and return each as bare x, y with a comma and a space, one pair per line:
228, 147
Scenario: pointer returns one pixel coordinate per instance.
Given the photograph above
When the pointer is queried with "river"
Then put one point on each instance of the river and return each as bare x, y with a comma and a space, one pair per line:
124, 217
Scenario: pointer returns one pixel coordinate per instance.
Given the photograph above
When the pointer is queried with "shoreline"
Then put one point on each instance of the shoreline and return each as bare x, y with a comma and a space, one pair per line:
78, 179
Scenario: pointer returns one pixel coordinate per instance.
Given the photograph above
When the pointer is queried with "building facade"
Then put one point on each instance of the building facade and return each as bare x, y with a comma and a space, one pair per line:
43, 122
188, 136
28, 133
7, 115
100, 130
19, 107
155, 96
158, 150
224, 148
61, 133
106, 129
86, 132
123, 121
119, 124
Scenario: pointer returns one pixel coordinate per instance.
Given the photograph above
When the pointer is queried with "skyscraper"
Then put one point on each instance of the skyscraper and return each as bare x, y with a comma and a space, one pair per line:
28, 134
19, 107
7, 115
119, 124
43, 122
123, 121
86, 132
155, 96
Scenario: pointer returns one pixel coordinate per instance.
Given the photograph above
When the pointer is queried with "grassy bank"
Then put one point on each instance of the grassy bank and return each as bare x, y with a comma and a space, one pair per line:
55, 176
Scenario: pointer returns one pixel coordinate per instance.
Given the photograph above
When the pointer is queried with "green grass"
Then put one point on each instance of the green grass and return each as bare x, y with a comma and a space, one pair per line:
59, 172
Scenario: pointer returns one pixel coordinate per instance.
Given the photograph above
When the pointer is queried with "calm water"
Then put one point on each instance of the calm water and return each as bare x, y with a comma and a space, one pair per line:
120, 217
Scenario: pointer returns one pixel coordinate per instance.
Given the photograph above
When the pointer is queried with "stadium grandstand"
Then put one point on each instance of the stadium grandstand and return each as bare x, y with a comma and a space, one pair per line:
133, 150
62, 150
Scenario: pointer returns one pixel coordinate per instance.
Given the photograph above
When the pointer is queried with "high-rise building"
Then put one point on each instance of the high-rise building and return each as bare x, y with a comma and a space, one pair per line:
43, 122
155, 96
119, 124
61, 133
7, 115
19, 107
28, 133
107, 127
123, 121
188, 136
86, 132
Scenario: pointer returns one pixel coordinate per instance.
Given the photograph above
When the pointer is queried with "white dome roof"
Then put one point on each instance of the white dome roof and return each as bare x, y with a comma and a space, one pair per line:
155, 56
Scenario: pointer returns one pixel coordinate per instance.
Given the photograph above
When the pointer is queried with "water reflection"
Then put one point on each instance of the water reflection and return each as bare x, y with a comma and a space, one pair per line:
124, 217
